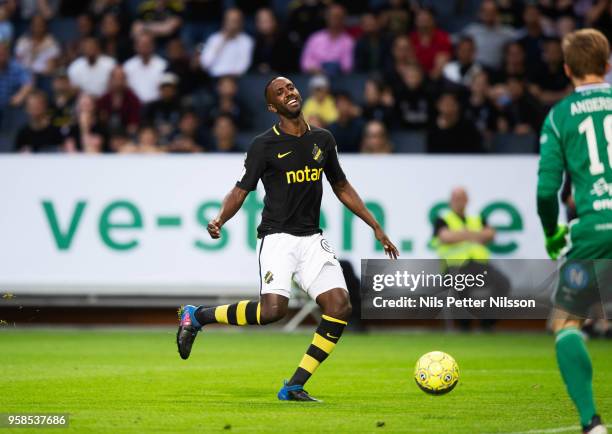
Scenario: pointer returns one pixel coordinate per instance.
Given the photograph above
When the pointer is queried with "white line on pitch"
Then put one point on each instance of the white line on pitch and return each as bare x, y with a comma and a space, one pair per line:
551, 430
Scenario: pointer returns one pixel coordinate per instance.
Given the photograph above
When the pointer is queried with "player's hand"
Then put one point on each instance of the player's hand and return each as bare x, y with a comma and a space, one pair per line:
390, 249
556, 242
214, 228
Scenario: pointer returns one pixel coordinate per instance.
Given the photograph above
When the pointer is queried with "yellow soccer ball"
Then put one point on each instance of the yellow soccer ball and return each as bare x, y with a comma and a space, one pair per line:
436, 373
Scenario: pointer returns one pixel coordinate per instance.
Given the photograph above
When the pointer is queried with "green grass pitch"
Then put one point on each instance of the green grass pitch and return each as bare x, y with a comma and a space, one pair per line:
135, 382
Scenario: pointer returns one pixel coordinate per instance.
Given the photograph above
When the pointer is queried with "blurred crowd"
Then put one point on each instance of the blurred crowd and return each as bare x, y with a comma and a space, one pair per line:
150, 76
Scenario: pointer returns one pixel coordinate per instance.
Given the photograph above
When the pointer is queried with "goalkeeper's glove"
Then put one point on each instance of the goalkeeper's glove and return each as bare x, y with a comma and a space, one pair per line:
556, 242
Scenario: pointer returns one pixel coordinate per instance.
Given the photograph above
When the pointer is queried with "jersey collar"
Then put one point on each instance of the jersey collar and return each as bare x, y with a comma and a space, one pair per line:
593, 86
278, 131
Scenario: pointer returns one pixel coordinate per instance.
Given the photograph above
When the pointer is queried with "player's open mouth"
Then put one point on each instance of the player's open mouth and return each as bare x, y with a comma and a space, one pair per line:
293, 102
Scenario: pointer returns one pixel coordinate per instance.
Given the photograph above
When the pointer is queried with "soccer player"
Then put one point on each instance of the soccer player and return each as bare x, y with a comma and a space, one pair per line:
577, 137
289, 158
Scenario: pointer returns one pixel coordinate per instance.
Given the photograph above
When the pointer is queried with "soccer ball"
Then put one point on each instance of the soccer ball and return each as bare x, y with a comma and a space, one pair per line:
436, 373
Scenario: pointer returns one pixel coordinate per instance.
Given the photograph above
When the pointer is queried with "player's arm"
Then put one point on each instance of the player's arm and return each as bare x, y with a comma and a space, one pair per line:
254, 165
349, 197
550, 179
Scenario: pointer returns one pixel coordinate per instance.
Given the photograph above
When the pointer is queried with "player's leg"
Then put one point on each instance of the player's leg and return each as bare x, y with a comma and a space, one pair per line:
575, 366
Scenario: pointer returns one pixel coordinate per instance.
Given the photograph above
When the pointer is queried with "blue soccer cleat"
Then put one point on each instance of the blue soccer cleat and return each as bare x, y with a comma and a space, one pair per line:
187, 331
295, 392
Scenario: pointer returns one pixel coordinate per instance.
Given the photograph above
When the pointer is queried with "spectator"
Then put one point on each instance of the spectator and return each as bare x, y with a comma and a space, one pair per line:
510, 13
121, 143
375, 139
550, 84
226, 101
91, 71
564, 25
371, 48
30, 8
6, 27
514, 63
348, 128
119, 108
396, 17
600, 17
148, 141
38, 135
39, 50
532, 38
188, 69
320, 104
63, 102
490, 36
451, 133
118, 8
378, 102
413, 98
15, 81
521, 111
145, 70
160, 18
479, 109
165, 112
86, 28
189, 137
304, 18
429, 42
229, 51
402, 56
113, 40
463, 69
273, 49
87, 134
224, 134
329, 50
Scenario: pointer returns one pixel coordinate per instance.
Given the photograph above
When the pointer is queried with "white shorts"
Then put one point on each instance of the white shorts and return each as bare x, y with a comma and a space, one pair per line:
309, 260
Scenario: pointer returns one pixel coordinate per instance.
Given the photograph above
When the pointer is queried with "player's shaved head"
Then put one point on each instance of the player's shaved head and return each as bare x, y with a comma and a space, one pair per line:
283, 98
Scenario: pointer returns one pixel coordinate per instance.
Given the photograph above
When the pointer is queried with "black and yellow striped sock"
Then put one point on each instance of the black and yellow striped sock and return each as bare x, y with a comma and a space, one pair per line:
241, 313
325, 338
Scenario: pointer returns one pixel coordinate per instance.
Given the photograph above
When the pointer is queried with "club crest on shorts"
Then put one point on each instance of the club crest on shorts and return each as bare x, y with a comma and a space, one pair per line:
317, 154
327, 247
268, 277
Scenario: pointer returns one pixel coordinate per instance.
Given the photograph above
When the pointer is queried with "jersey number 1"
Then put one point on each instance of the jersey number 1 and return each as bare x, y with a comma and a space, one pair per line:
587, 127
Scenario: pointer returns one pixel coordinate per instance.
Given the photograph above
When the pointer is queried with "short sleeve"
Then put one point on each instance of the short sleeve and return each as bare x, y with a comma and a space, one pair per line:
254, 165
332, 169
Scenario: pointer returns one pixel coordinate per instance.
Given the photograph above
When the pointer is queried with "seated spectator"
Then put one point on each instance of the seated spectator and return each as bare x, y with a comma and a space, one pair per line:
226, 101
490, 36
514, 63
378, 102
147, 141
600, 17
113, 40
119, 108
463, 69
329, 50
179, 63
15, 81
38, 50
348, 128
160, 18
532, 37
564, 25
371, 51
145, 70
402, 56
6, 27
120, 142
479, 109
521, 112
229, 51
165, 112
63, 102
304, 17
86, 28
29, 8
550, 84
273, 49
86, 134
224, 135
451, 133
429, 42
38, 135
90, 72
396, 16
510, 13
413, 98
320, 103
375, 139
189, 137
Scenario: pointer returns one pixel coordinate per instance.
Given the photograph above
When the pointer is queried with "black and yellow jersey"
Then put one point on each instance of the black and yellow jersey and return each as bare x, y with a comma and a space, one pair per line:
290, 168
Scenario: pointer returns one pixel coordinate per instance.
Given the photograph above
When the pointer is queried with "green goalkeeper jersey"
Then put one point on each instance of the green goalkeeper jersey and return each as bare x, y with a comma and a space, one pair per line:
577, 138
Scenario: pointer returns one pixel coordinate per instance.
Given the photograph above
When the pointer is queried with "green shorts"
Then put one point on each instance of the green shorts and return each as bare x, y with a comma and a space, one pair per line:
585, 277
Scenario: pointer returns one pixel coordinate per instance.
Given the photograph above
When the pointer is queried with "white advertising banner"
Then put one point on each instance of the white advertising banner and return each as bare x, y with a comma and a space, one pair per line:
140, 221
